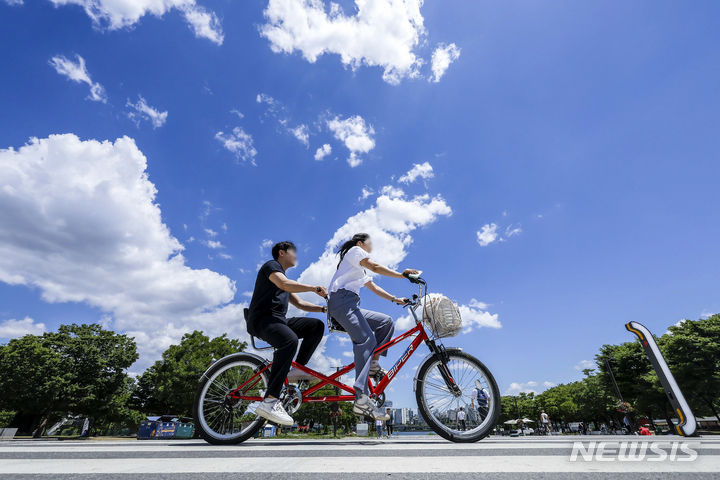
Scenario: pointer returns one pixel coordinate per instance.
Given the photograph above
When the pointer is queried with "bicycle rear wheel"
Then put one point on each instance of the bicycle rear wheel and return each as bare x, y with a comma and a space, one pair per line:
440, 406
219, 418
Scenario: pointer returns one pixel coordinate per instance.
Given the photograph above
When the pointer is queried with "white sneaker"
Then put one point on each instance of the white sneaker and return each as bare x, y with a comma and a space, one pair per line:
376, 371
295, 375
274, 412
363, 406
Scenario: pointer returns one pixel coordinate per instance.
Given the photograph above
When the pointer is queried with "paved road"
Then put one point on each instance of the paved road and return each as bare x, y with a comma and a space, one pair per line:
421, 457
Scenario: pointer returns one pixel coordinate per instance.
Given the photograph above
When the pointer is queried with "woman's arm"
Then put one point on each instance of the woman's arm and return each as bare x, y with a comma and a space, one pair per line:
307, 306
383, 294
383, 270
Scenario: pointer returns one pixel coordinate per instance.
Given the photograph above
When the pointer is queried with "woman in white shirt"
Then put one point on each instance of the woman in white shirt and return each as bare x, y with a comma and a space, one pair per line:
367, 329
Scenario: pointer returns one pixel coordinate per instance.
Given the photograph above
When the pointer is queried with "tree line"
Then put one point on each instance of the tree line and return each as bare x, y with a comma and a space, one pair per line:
692, 351
83, 370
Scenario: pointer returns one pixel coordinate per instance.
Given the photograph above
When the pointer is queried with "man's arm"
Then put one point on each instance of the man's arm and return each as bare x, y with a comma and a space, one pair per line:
284, 283
306, 306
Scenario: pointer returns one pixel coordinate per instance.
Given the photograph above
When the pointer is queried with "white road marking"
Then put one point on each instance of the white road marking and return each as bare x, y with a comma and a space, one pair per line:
521, 463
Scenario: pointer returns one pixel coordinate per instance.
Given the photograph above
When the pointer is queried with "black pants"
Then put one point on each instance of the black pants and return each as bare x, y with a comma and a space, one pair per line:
389, 428
283, 335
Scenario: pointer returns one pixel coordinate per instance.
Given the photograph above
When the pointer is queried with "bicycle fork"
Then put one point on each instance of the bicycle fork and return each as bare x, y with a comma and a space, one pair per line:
439, 351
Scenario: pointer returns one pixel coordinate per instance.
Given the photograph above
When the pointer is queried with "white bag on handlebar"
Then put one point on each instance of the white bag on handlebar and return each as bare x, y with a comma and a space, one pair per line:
442, 316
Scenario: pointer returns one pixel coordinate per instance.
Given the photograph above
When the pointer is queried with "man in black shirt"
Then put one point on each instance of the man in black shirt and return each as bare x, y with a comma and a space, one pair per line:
266, 320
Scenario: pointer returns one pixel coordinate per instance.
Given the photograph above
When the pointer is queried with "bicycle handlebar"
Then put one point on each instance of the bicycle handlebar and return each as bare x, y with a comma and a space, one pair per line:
414, 277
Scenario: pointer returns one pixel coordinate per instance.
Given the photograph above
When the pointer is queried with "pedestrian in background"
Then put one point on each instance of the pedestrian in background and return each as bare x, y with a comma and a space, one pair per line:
390, 423
461, 418
545, 420
379, 427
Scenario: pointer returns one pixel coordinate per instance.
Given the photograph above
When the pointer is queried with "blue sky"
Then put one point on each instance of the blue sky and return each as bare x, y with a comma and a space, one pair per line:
566, 166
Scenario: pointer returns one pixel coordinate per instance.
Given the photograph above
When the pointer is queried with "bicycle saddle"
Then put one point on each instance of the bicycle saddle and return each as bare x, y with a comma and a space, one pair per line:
334, 326
246, 311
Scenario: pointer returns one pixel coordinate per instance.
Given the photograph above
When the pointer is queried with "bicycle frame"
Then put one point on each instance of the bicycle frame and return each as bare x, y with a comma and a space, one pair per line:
307, 395
420, 336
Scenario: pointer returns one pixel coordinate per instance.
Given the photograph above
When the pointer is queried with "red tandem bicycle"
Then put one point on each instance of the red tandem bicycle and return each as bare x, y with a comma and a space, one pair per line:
447, 380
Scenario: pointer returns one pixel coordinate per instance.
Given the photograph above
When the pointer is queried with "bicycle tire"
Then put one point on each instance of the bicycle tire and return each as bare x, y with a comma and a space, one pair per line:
436, 426
204, 432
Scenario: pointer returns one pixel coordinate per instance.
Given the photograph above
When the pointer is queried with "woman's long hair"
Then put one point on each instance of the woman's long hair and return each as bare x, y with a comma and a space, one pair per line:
358, 237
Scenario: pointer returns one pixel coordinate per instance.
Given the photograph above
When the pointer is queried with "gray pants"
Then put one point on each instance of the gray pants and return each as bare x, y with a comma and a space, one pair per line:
367, 330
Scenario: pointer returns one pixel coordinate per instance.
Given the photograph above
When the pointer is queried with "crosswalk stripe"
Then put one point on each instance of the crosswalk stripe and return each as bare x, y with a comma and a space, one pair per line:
329, 445
349, 464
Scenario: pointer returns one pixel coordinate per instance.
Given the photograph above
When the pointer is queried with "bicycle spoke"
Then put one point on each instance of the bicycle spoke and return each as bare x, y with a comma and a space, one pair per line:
223, 416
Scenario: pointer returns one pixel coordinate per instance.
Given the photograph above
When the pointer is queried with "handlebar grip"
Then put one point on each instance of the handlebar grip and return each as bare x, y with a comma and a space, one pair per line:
413, 277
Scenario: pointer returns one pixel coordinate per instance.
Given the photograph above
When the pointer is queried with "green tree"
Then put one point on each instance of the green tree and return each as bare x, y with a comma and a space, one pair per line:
319, 412
96, 360
168, 386
77, 369
692, 351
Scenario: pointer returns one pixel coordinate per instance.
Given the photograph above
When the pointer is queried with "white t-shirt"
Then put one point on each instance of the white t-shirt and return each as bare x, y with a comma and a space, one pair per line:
461, 415
350, 275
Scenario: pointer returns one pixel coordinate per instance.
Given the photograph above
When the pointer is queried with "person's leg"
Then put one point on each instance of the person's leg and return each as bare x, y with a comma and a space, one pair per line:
310, 330
382, 326
275, 332
344, 308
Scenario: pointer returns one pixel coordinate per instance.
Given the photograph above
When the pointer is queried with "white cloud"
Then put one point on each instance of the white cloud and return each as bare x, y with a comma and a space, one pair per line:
267, 99
491, 232
442, 57
17, 328
14, 2
516, 388
141, 110
214, 244
210, 232
117, 14
382, 33
487, 235
392, 192
302, 133
239, 143
390, 222
323, 151
418, 170
343, 339
583, 364
365, 193
355, 134
276, 110
80, 223
512, 230
77, 72
475, 315
204, 24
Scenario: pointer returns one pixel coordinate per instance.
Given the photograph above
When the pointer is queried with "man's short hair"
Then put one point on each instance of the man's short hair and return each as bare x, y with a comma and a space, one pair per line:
284, 246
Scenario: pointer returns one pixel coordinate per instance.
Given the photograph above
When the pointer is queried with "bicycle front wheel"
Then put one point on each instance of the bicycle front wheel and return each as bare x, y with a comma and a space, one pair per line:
458, 416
